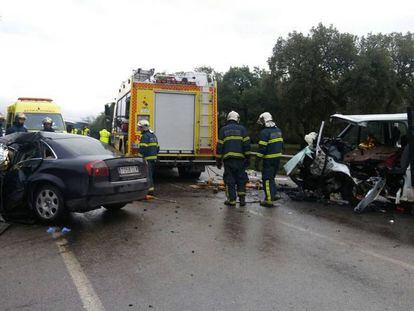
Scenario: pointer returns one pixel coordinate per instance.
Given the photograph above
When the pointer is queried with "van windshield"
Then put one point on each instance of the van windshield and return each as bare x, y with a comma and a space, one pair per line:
34, 121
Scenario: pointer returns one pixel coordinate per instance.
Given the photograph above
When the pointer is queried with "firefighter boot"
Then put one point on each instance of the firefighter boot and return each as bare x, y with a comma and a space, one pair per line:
230, 203
242, 200
267, 204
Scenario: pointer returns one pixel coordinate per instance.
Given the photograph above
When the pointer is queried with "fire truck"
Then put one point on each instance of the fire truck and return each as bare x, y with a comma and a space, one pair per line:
182, 111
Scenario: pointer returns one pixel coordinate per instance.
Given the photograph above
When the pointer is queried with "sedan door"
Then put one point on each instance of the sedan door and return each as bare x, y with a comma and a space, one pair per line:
15, 182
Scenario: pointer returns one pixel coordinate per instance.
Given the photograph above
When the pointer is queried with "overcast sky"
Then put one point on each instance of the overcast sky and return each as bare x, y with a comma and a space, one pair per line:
78, 52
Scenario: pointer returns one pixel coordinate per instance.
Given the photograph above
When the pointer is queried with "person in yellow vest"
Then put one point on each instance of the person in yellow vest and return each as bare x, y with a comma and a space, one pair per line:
74, 131
104, 135
85, 131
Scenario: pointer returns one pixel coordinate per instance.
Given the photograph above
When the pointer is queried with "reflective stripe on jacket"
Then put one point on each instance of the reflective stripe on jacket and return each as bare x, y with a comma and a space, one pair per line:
148, 146
233, 141
271, 143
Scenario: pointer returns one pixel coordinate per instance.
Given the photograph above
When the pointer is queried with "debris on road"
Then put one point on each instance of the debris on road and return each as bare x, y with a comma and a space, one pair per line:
51, 230
57, 232
151, 197
148, 197
65, 230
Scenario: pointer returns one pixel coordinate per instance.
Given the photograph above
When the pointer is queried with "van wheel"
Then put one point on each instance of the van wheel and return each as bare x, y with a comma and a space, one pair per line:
48, 204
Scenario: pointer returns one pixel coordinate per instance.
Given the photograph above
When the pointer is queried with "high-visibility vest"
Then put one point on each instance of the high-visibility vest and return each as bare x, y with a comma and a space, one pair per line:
74, 131
85, 131
104, 136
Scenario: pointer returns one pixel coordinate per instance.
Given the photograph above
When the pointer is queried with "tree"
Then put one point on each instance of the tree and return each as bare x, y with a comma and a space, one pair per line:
236, 81
309, 74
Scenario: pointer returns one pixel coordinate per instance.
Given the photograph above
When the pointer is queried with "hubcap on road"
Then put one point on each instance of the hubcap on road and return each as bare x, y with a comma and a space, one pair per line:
47, 203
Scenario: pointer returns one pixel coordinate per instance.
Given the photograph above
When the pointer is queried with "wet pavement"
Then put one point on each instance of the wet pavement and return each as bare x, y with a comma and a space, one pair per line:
197, 254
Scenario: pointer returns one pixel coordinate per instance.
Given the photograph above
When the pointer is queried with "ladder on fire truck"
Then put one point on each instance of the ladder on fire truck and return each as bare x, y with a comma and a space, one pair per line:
206, 119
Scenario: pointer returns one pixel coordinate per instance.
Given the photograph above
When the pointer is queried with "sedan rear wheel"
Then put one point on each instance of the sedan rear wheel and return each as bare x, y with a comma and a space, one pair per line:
48, 204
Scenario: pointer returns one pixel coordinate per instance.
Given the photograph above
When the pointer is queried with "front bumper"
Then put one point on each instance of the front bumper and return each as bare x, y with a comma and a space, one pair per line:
117, 192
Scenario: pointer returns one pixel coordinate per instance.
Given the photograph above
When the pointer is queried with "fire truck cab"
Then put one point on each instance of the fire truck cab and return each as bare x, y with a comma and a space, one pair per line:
182, 112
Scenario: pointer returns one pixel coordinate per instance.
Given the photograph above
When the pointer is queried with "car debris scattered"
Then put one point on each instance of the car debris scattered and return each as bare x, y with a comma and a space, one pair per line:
63, 231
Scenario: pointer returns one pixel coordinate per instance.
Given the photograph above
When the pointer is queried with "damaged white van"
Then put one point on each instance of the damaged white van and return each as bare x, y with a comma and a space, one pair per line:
370, 156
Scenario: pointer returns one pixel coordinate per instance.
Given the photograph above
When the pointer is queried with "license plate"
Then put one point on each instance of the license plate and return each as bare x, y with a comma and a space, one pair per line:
128, 170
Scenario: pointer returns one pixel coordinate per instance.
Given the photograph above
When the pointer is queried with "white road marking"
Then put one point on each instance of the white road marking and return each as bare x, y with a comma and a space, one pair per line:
87, 294
394, 261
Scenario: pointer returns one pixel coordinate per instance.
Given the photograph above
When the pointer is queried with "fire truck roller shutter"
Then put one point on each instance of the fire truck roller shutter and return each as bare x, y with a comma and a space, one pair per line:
174, 121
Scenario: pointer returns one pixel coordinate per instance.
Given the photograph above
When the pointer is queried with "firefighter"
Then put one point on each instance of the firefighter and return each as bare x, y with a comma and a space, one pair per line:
47, 125
104, 136
233, 150
148, 149
18, 125
85, 131
270, 151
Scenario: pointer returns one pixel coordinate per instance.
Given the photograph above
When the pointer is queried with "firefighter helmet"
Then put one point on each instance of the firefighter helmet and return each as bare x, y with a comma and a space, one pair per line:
264, 117
21, 115
47, 120
143, 124
234, 116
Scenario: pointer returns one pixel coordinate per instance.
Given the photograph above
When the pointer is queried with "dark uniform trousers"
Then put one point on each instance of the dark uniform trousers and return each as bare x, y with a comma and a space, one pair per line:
235, 178
270, 151
270, 169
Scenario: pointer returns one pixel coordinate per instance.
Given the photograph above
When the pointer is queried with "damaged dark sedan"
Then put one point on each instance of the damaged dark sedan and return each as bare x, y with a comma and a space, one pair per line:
53, 174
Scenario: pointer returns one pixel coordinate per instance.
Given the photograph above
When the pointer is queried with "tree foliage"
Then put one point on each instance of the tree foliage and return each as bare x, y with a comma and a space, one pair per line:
315, 75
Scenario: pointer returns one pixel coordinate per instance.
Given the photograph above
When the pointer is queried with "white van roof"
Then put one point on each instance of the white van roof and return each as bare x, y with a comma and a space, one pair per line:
363, 118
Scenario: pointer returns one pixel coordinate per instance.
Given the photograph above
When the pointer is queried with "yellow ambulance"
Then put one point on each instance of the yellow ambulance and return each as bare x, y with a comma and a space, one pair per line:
36, 109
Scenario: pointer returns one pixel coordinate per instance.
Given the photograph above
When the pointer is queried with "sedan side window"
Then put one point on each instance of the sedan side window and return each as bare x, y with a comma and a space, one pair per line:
47, 152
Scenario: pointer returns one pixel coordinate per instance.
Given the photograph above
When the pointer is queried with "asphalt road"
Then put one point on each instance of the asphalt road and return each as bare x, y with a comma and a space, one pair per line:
197, 254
